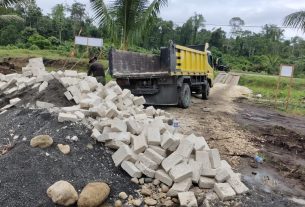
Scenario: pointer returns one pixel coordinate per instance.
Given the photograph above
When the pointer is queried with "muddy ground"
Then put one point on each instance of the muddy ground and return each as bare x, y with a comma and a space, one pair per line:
240, 129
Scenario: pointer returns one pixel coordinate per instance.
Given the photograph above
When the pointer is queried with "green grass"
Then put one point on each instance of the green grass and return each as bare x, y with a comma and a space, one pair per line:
267, 85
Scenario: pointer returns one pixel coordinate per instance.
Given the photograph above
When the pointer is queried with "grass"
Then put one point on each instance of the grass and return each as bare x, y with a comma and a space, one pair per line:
267, 85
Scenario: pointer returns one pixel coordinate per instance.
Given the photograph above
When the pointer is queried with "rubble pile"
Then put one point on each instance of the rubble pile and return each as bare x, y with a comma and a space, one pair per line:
146, 145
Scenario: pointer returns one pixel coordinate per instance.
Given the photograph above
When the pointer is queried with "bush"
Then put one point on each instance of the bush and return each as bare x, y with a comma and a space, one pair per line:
39, 41
34, 47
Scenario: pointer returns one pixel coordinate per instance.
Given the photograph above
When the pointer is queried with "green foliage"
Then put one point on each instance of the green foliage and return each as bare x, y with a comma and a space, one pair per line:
34, 47
40, 41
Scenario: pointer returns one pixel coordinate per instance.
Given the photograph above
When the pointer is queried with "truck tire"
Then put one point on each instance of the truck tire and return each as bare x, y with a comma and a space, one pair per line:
185, 96
205, 91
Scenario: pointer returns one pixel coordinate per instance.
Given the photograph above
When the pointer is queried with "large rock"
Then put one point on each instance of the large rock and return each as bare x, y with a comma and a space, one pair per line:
42, 141
62, 193
94, 194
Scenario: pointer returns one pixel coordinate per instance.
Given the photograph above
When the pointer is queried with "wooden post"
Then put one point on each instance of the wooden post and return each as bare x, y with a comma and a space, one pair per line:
277, 90
289, 89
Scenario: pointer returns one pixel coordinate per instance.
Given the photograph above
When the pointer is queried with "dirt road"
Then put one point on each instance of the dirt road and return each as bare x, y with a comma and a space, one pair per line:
240, 130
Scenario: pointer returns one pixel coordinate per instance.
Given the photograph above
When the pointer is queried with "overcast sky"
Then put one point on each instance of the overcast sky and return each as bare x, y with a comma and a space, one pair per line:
219, 12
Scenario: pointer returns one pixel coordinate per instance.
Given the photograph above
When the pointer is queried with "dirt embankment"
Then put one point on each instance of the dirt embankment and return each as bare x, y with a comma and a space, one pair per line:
240, 130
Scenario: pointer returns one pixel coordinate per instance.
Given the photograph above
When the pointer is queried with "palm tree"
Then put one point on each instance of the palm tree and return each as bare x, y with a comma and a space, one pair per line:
9, 17
126, 17
296, 20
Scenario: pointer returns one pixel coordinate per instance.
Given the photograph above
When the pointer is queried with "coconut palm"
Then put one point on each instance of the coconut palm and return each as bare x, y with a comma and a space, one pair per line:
296, 20
8, 17
128, 18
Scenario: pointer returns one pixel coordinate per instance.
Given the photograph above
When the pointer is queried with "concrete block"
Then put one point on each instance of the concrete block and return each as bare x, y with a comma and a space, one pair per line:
215, 158
139, 144
196, 167
131, 169
179, 187
145, 170
208, 172
68, 95
124, 137
206, 183
43, 86
237, 185
153, 136
21, 86
177, 138
140, 117
6, 107
80, 115
114, 144
123, 153
62, 117
84, 86
10, 91
168, 140
44, 105
159, 150
222, 175
203, 157
158, 123
95, 134
2, 85
224, 191
172, 160
117, 89
180, 172
163, 177
74, 90
125, 94
118, 125
154, 156
82, 75
111, 113
110, 84
14, 101
92, 82
70, 73
199, 142
134, 127
111, 96
150, 111
147, 162
187, 199
185, 148
139, 100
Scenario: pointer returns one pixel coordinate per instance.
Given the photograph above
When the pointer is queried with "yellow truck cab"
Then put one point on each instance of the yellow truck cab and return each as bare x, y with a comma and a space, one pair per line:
168, 79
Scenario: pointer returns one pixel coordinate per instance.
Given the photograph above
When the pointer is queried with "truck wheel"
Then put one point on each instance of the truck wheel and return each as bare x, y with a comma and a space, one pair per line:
185, 96
205, 91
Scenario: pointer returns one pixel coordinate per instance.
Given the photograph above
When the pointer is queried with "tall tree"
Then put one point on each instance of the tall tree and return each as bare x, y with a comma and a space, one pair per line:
58, 15
296, 20
78, 15
6, 18
198, 22
236, 24
126, 17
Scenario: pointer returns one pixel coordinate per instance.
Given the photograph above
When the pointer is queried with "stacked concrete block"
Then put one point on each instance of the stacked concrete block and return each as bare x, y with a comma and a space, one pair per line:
131, 169
139, 144
163, 177
153, 136
181, 172
179, 187
187, 199
122, 154
62, 117
224, 191
206, 182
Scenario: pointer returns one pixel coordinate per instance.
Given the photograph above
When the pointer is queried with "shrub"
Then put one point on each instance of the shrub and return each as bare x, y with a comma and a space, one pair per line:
34, 47
39, 41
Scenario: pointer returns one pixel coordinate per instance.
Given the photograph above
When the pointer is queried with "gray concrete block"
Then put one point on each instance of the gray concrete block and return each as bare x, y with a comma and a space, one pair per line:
182, 186
180, 172
131, 169
154, 156
45, 105
123, 153
163, 177
199, 142
139, 143
159, 150
134, 127
168, 140
206, 183
208, 172
215, 158
118, 125
84, 86
172, 160
62, 117
204, 158
196, 167
187, 199
185, 148
145, 170
224, 191
153, 136
237, 185
222, 175
14, 101
114, 144
139, 100
124, 137
147, 162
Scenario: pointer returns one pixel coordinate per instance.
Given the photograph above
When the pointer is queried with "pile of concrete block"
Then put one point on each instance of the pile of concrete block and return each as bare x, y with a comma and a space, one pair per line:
34, 75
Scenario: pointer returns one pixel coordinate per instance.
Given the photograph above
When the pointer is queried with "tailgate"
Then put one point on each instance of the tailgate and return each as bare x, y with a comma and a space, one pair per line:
123, 64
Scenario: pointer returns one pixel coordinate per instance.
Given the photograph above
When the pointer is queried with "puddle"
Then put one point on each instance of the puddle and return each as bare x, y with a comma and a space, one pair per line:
269, 180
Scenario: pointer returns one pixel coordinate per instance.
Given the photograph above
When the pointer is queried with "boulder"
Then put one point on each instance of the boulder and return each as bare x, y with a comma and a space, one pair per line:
41, 141
62, 193
93, 195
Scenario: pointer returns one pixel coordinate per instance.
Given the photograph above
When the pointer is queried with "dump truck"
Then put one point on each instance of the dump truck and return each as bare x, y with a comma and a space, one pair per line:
166, 79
